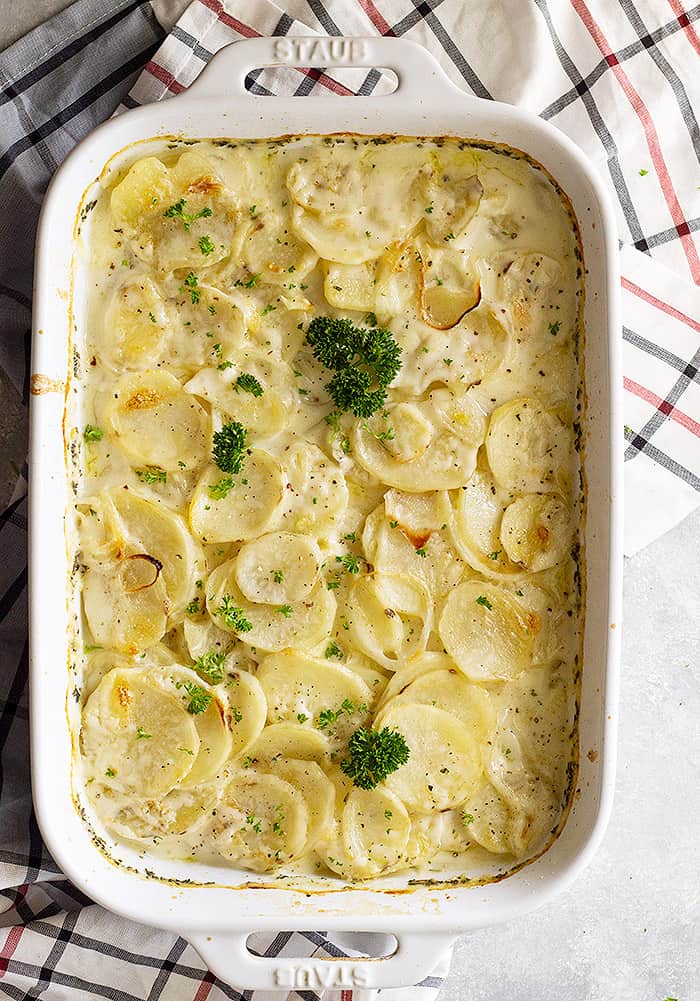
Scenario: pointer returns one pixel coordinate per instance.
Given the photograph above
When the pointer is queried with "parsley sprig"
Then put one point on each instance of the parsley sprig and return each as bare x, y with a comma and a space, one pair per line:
364, 361
212, 666
233, 615
374, 754
229, 447
199, 699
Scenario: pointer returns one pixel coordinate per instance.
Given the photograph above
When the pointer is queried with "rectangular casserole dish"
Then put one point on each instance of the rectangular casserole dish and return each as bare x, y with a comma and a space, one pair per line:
200, 902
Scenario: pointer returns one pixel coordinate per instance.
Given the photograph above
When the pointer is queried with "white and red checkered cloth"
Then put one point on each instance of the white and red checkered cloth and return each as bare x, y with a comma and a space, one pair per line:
621, 77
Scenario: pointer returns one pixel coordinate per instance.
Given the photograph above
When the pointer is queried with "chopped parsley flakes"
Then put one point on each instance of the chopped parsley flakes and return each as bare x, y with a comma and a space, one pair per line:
177, 211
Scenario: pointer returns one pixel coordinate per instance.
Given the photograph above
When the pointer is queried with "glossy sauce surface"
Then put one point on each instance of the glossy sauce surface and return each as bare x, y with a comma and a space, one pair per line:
415, 571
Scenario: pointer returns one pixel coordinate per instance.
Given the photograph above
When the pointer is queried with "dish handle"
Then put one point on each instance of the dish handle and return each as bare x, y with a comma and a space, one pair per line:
227, 956
419, 75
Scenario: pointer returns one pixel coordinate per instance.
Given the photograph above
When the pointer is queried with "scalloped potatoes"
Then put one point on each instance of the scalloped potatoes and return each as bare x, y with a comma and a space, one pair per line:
417, 571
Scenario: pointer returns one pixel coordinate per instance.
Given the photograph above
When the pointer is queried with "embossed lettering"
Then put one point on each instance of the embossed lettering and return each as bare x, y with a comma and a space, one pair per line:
320, 976
282, 49
284, 977
310, 52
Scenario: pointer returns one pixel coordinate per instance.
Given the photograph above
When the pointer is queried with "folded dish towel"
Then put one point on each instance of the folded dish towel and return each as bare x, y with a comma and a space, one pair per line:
618, 78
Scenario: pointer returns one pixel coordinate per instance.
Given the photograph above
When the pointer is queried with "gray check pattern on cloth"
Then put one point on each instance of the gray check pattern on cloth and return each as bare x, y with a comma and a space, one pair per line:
621, 79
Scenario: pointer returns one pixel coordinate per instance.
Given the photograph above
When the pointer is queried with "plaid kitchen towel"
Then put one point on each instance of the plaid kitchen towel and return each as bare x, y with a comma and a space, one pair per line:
621, 79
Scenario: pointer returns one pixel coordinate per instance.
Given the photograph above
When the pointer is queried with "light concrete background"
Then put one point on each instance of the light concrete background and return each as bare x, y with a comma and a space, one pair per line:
629, 929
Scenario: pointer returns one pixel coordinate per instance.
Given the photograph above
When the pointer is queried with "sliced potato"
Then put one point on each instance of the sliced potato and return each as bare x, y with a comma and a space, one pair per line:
425, 453
290, 741
390, 617
135, 327
132, 733
99, 663
210, 710
529, 448
202, 636
166, 211
143, 192
341, 212
427, 554
424, 839
154, 529
271, 251
425, 663
156, 422
535, 807
278, 567
349, 286
448, 689
126, 605
476, 526
299, 688
248, 709
225, 508
411, 435
444, 766
487, 631
263, 412
261, 821
536, 531
443, 307
268, 627
487, 819
452, 206
318, 793
418, 514
311, 474
460, 414
181, 811
375, 830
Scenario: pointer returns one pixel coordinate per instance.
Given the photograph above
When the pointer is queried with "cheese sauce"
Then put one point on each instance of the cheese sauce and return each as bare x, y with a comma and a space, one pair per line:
330, 573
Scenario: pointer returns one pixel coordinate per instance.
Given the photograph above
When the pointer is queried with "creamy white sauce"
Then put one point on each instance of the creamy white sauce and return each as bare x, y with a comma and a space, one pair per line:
431, 548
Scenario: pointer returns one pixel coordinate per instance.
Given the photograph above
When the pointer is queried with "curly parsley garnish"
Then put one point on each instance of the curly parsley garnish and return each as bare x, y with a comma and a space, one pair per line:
374, 754
364, 362
229, 447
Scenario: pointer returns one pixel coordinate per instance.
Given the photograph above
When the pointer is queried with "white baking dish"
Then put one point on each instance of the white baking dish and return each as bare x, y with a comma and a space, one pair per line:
217, 918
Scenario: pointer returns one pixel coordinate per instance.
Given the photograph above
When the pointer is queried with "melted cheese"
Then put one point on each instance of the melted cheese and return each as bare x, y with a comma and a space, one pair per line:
248, 623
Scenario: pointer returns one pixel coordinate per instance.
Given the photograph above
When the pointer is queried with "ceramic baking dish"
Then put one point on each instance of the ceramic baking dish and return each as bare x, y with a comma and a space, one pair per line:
216, 909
